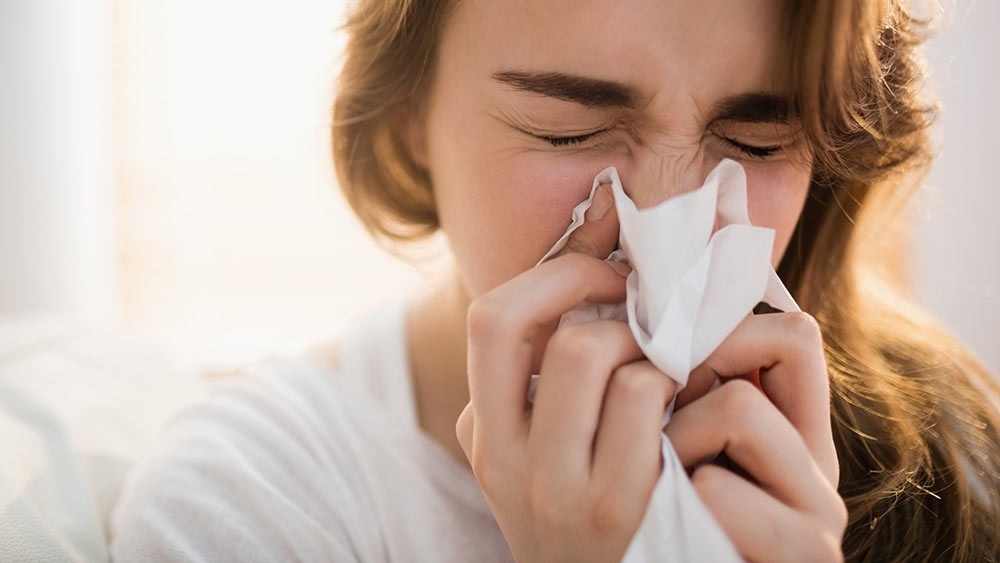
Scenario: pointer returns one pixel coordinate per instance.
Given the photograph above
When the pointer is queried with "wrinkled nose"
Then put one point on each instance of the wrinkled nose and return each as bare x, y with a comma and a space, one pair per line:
661, 175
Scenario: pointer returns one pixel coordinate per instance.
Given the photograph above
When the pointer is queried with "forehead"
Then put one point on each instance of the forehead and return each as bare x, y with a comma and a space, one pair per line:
711, 47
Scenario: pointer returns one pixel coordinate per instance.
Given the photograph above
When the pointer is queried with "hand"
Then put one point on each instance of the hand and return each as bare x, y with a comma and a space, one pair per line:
568, 479
787, 507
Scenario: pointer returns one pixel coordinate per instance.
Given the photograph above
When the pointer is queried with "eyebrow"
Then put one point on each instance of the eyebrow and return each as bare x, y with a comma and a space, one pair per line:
755, 107
591, 92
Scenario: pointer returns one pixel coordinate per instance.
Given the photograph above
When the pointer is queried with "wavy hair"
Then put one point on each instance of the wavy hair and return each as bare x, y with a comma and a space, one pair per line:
915, 417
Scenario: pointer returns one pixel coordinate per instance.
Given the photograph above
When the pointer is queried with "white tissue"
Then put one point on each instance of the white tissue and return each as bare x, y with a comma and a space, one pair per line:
689, 288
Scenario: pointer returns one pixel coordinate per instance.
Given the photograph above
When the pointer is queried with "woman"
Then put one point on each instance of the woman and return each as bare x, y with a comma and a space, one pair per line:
875, 438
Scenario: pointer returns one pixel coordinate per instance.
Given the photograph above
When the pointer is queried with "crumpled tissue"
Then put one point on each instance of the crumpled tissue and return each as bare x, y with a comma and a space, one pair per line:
699, 268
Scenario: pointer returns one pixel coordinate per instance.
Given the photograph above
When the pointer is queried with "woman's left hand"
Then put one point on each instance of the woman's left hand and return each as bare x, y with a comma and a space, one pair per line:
786, 507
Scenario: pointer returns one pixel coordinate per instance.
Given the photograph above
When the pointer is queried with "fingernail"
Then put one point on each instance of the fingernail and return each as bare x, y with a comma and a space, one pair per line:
622, 268
601, 203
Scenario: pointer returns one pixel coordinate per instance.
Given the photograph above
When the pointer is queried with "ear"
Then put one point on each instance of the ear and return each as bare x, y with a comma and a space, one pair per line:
412, 132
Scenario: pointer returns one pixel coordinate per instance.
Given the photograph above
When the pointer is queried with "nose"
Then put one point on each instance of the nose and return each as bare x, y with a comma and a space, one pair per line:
657, 175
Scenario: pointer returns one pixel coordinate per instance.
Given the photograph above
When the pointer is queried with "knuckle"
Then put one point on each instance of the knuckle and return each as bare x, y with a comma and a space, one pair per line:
832, 471
707, 482
804, 329
583, 266
581, 243
545, 503
571, 256
840, 517
739, 400
823, 546
573, 346
487, 317
609, 516
633, 383
463, 429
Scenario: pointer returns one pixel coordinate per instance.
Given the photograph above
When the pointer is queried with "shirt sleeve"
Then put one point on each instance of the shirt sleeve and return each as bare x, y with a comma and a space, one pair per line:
240, 477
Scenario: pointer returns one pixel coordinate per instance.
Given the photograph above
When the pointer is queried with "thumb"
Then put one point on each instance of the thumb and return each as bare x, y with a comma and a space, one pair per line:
598, 235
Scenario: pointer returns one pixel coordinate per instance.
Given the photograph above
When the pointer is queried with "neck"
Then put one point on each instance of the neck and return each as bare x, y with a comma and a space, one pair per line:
436, 343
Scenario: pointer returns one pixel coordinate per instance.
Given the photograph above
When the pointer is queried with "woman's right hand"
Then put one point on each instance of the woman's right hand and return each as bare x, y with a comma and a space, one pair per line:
568, 478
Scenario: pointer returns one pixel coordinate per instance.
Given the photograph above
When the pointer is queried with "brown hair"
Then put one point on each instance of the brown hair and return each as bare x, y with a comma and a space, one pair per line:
914, 416
917, 436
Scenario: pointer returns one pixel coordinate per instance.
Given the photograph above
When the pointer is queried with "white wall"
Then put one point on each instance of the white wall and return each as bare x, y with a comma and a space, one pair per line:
56, 231
957, 242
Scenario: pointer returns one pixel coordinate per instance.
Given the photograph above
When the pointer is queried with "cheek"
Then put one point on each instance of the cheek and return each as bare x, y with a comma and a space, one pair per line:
776, 194
502, 209
529, 200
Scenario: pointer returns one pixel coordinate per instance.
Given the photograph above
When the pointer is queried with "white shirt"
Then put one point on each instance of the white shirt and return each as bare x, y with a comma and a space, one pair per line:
295, 463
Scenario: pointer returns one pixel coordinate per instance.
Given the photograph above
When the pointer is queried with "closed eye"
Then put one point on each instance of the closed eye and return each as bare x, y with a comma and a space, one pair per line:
753, 151
567, 141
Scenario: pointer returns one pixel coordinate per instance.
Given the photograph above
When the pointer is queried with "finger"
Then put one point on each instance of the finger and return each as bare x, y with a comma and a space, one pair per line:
761, 528
598, 235
578, 362
739, 420
501, 325
787, 348
463, 430
629, 436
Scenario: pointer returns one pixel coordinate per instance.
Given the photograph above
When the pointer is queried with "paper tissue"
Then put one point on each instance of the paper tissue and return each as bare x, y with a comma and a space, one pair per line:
699, 268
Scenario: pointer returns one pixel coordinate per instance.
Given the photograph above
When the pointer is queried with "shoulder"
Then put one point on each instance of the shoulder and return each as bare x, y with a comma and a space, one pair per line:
250, 473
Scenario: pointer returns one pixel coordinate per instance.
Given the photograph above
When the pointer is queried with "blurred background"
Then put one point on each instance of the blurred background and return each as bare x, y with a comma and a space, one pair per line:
165, 169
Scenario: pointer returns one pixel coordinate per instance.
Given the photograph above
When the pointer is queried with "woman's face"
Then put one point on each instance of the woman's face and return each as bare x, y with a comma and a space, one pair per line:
531, 98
